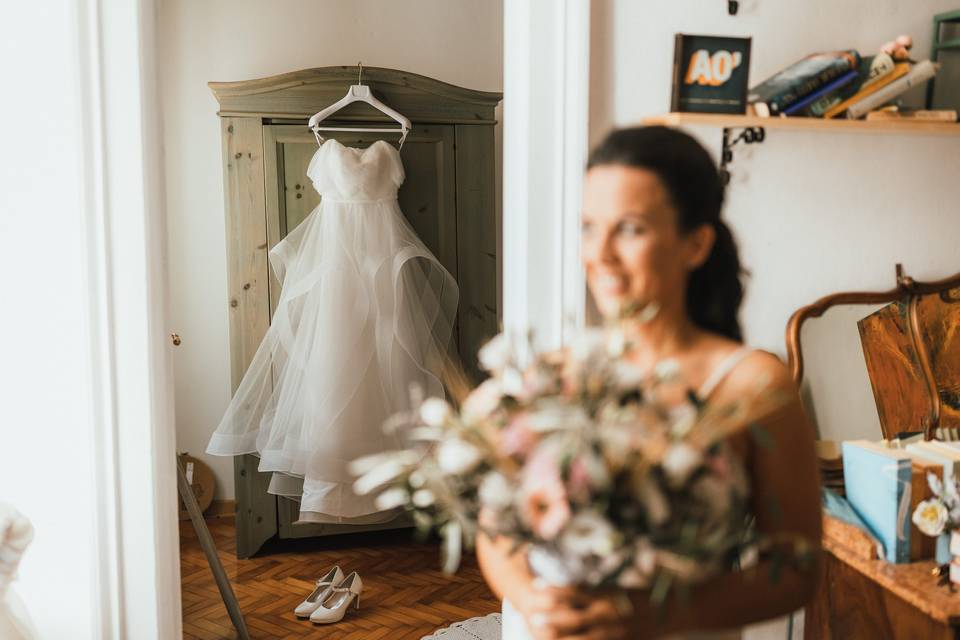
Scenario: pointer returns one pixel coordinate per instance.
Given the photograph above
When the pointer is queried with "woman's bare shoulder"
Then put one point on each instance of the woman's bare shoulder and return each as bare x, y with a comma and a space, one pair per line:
764, 367
764, 381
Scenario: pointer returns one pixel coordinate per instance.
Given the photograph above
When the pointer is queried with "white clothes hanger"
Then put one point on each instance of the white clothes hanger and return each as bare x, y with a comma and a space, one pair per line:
359, 93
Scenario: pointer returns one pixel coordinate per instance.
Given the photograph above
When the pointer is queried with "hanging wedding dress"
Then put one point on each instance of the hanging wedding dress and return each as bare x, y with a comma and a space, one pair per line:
365, 312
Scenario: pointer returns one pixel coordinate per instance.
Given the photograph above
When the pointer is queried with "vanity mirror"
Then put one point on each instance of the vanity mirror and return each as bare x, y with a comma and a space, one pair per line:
881, 363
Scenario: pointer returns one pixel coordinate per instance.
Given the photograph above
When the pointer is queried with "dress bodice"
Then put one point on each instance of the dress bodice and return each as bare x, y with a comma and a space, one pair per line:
351, 174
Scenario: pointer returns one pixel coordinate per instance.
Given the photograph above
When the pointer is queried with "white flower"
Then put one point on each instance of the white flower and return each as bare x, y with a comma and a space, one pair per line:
416, 479
537, 382
587, 344
366, 464
684, 418
588, 533
456, 456
626, 375
495, 491
512, 383
680, 461
423, 498
426, 434
616, 342
930, 517
435, 412
553, 418
482, 401
950, 496
392, 498
384, 473
497, 353
667, 370
936, 487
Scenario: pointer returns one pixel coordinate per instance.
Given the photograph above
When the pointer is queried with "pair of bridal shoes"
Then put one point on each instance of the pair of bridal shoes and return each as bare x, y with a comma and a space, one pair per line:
330, 600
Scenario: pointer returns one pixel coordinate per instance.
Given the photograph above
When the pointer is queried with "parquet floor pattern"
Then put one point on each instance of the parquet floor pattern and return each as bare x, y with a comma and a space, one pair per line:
405, 597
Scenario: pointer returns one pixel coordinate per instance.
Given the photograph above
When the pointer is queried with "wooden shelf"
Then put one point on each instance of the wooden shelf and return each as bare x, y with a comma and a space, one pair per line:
807, 124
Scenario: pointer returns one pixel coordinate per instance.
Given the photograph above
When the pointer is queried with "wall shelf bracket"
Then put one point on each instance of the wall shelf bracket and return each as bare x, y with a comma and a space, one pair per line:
747, 135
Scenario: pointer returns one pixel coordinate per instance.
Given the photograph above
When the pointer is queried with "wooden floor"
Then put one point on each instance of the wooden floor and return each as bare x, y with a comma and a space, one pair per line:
405, 595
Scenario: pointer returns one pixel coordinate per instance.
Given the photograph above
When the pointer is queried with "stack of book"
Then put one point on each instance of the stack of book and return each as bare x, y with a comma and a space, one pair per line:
884, 485
830, 85
831, 465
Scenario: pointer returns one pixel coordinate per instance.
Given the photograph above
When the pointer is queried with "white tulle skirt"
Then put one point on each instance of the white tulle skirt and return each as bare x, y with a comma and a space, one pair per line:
365, 312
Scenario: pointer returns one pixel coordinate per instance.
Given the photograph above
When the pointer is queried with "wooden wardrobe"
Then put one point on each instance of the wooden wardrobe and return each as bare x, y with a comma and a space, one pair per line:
448, 197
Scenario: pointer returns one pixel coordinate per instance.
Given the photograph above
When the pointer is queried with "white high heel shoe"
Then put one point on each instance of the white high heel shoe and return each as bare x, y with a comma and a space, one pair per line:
324, 588
334, 607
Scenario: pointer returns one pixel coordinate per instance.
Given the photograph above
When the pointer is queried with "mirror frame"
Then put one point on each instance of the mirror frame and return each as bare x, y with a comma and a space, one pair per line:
908, 291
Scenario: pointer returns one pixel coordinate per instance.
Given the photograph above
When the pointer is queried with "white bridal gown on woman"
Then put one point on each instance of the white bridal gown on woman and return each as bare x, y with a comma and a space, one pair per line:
365, 312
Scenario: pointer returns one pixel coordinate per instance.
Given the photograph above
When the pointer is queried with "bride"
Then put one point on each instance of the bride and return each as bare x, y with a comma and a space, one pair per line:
652, 232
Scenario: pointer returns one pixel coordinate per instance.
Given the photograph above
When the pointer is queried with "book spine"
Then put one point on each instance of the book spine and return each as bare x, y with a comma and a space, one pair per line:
675, 89
905, 474
830, 92
899, 71
922, 72
779, 93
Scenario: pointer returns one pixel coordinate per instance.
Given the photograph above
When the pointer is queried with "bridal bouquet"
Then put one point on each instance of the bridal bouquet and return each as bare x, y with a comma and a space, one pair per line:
606, 475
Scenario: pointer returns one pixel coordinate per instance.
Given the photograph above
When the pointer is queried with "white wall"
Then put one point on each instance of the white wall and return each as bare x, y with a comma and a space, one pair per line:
814, 212
457, 41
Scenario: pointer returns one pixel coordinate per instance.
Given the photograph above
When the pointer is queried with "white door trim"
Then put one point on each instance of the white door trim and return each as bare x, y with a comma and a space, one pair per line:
546, 98
137, 555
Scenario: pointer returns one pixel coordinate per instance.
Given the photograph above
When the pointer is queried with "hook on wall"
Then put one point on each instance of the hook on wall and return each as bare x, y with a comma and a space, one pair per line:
732, 7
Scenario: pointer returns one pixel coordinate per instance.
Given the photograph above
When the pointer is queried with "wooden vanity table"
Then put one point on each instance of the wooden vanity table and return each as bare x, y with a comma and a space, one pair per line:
872, 599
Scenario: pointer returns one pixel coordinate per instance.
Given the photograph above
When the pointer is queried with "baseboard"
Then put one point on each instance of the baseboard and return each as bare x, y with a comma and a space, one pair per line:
217, 509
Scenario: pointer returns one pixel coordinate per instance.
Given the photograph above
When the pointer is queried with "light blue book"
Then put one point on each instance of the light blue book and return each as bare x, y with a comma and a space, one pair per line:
875, 479
839, 507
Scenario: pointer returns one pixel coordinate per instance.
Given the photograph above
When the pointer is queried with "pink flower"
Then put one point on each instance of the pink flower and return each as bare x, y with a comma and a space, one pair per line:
579, 480
544, 506
588, 474
517, 438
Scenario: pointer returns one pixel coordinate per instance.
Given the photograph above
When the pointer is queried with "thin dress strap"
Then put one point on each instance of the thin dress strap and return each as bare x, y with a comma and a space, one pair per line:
727, 365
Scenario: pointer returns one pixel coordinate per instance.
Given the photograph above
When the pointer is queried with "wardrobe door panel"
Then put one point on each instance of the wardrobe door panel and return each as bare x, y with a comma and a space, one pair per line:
248, 306
477, 243
428, 194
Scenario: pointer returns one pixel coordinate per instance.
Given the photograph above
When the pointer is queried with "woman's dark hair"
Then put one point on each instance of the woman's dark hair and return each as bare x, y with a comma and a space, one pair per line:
714, 291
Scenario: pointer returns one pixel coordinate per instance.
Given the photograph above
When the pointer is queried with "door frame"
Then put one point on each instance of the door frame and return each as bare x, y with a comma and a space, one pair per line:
137, 569
545, 144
